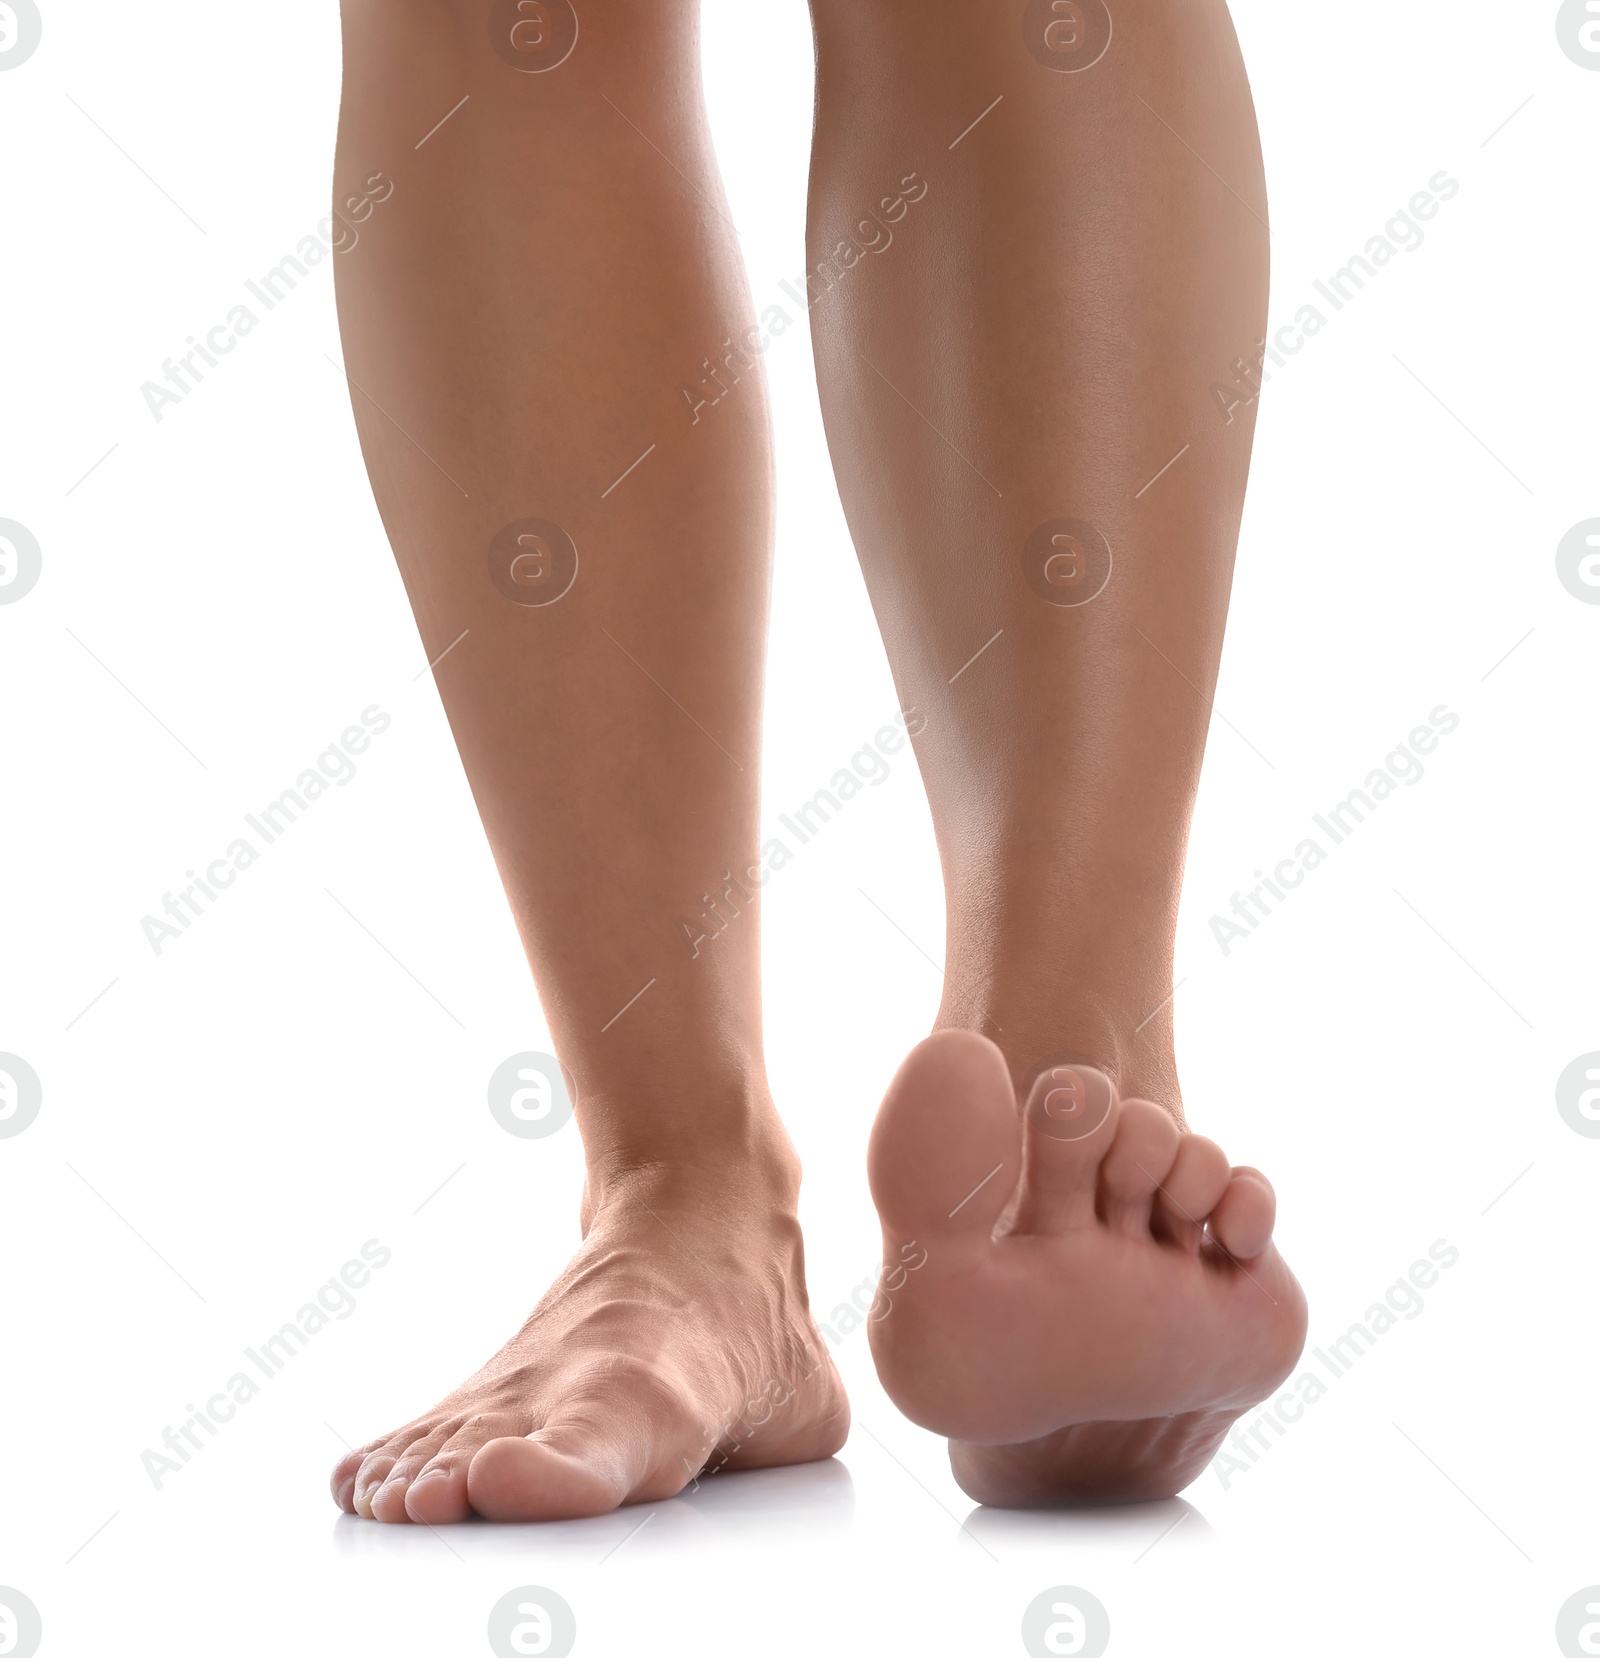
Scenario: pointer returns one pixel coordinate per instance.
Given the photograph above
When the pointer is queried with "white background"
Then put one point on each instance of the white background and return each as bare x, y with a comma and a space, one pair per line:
274, 1089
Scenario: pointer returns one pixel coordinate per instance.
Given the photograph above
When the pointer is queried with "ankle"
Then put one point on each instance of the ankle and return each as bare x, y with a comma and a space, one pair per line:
728, 1159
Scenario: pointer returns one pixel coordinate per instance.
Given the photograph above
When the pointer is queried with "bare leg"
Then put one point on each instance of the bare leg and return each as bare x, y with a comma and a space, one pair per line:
1000, 386
518, 319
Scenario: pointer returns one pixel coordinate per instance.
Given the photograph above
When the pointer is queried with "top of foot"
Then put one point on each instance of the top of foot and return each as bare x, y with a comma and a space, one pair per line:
677, 1343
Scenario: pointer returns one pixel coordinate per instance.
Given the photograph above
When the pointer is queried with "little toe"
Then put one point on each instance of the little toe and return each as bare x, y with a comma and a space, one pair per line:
347, 1473
1069, 1124
1138, 1161
1243, 1218
343, 1481
1196, 1181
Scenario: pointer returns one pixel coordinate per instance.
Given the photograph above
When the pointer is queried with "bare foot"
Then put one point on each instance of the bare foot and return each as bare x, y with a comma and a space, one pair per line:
678, 1340
1100, 1297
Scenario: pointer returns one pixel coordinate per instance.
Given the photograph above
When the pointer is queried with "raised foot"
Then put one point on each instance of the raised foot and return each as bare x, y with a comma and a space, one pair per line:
678, 1341
1097, 1298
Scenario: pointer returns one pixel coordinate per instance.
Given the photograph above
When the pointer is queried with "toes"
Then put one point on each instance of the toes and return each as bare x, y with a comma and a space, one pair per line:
373, 1472
945, 1151
1196, 1181
437, 1493
524, 1479
343, 1482
1242, 1220
1069, 1124
621, 1434
1137, 1162
388, 1501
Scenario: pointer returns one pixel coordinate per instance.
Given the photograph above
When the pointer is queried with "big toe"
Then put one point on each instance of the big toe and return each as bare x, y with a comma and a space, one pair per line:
522, 1479
946, 1151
